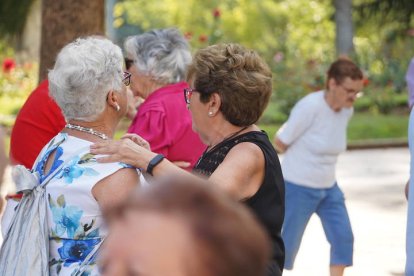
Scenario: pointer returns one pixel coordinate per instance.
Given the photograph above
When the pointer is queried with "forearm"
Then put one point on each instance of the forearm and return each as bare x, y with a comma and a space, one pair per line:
279, 145
167, 168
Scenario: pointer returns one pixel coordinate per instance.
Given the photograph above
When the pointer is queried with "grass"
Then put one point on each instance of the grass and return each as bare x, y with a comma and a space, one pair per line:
366, 126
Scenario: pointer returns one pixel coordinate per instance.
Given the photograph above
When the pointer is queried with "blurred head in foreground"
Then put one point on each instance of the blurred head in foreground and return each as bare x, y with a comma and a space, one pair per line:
181, 227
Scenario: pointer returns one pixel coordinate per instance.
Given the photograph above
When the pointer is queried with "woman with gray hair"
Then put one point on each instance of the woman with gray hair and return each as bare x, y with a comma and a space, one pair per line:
89, 85
157, 61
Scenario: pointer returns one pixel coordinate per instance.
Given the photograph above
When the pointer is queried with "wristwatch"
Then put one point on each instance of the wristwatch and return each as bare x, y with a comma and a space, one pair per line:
154, 162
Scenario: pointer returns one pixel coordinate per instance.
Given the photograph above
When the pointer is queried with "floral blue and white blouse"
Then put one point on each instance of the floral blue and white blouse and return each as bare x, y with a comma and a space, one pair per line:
75, 221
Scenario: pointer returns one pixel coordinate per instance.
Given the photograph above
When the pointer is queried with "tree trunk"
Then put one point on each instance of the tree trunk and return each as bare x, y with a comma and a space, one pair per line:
109, 16
62, 22
27, 44
344, 27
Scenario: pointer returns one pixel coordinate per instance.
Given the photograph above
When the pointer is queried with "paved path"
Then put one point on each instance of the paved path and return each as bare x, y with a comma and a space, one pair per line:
373, 182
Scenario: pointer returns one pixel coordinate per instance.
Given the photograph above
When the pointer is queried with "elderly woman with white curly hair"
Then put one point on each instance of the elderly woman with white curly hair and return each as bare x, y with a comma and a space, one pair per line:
158, 61
89, 85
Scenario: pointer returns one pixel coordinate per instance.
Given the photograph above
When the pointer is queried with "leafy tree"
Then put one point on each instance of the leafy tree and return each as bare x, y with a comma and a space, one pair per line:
388, 11
297, 28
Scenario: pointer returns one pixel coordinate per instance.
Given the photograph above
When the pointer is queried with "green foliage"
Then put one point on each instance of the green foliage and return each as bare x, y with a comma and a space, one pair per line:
295, 37
13, 16
365, 126
380, 99
16, 82
267, 26
399, 12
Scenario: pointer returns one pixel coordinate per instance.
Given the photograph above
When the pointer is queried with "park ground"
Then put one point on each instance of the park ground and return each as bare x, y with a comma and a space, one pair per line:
373, 182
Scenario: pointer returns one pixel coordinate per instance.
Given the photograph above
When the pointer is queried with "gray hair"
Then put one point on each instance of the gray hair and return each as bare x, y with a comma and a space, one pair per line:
161, 54
84, 72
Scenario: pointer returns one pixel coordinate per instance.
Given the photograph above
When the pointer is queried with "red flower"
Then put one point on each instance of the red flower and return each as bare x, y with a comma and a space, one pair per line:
188, 35
8, 65
202, 38
365, 82
216, 13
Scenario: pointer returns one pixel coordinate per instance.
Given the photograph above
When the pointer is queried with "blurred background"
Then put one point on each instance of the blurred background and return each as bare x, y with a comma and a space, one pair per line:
298, 39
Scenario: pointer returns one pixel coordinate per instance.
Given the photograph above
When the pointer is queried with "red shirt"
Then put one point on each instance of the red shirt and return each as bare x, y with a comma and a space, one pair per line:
38, 121
165, 122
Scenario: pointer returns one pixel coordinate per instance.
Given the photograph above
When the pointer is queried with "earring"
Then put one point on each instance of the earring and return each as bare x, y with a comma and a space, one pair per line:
210, 113
117, 107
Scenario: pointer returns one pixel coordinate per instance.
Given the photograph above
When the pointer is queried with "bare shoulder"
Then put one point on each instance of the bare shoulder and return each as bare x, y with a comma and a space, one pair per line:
246, 149
241, 172
115, 188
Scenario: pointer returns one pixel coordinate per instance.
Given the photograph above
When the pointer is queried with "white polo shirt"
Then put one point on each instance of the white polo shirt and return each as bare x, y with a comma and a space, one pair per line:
315, 135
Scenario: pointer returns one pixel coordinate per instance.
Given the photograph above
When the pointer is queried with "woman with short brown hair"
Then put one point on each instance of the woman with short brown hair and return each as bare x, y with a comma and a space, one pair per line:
231, 87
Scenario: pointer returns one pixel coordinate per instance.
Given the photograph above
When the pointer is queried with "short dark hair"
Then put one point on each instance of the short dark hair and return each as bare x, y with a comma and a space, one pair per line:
228, 239
343, 68
239, 75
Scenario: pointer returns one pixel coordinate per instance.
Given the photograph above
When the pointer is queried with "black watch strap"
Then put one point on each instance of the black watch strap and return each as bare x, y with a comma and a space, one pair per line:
154, 162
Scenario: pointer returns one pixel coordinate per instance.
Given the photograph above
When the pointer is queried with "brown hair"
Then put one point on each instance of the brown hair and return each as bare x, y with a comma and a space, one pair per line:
240, 76
227, 237
341, 69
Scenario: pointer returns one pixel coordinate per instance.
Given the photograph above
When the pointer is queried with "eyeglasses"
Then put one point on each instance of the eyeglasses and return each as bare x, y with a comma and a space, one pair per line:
126, 79
128, 63
350, 91
187, 94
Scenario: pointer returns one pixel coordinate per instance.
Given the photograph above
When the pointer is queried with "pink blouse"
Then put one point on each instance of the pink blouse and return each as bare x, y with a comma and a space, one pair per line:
165, 122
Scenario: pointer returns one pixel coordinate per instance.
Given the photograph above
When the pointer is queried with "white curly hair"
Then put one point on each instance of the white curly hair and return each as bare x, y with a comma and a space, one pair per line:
162, 54
85, 71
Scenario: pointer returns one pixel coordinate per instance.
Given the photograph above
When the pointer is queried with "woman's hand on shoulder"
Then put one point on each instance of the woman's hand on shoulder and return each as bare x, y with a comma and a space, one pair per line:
132, 150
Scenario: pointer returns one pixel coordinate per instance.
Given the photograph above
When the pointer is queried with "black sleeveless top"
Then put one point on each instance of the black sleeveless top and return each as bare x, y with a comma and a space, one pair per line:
269, 201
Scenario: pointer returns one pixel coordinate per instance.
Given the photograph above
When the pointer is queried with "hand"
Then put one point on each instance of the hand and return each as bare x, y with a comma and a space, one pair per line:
182, 164
124, 150
137, 140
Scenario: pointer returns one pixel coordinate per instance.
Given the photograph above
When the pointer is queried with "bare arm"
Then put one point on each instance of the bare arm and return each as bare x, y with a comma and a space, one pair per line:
279, 145
134, 150
242, 171
240, 174
115, 188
